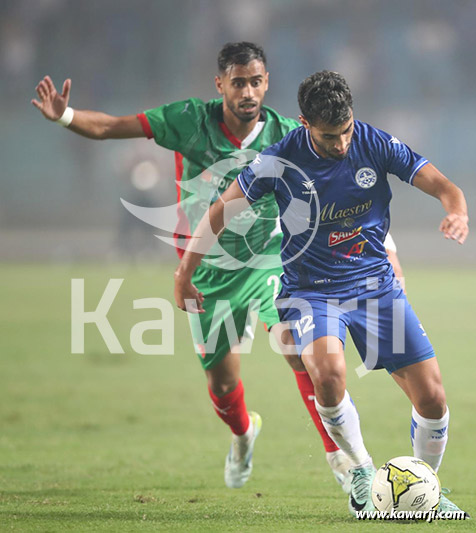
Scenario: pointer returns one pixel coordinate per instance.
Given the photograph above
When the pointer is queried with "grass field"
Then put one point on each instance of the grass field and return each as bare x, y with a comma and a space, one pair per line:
101, 442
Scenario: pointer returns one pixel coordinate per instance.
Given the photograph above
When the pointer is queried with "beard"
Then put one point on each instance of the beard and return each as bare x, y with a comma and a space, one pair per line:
242, 113
339, 157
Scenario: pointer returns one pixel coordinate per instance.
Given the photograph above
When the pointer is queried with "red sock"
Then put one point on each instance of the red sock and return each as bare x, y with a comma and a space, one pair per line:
231, 408
306, 388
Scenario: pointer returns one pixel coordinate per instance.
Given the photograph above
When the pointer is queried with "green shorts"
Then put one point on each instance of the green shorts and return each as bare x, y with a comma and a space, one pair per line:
228, 294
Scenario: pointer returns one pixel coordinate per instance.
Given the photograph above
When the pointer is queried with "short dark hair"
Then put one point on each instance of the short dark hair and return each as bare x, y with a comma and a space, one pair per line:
325, 97
239, 54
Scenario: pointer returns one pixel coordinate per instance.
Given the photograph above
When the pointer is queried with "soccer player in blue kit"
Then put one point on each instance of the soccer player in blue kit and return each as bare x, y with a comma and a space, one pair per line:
329, 179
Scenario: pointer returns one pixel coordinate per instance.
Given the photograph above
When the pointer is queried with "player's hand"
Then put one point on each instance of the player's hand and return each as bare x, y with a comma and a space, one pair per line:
455, 227
52, 104
187, 296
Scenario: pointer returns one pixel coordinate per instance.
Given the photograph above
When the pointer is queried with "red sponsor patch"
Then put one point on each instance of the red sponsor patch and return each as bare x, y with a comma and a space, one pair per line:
336, 237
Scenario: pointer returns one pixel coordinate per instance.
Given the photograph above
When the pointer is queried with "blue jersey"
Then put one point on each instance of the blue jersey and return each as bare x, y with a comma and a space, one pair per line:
334, 214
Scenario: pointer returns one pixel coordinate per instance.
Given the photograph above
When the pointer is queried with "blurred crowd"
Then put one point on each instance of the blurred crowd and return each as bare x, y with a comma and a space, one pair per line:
410, 64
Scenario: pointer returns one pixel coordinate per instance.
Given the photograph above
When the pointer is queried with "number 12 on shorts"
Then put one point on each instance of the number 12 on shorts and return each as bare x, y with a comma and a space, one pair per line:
304, 325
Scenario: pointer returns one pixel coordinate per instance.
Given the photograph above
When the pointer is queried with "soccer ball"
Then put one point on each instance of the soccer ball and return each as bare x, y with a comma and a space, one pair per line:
257, 225
406, 484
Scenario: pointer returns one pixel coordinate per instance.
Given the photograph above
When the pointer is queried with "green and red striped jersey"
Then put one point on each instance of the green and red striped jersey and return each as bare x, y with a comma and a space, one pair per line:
208, 159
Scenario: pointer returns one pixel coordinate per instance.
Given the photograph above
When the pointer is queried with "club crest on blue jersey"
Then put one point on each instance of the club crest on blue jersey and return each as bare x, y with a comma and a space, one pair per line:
366, 177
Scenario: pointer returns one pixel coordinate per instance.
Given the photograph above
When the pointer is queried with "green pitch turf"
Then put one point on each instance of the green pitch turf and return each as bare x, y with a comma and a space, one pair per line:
100, 442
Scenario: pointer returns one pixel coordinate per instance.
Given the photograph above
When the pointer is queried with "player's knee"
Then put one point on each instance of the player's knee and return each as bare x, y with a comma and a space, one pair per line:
330, 394
222, 387
330, 381
329, 387
328, 376
432, 404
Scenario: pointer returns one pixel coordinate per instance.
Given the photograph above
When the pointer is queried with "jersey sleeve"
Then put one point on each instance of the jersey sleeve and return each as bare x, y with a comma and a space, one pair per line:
173, 125
401, 160
259, 178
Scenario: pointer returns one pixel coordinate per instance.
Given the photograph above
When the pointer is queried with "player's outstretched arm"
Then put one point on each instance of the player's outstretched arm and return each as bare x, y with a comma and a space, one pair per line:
91, 124
455, 224
210, 227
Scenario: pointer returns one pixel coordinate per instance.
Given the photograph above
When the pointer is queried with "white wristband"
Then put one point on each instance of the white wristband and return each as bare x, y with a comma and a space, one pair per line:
389, 243
66, 117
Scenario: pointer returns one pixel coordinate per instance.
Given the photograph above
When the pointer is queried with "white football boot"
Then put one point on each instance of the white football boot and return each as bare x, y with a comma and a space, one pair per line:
340, 465
238, 463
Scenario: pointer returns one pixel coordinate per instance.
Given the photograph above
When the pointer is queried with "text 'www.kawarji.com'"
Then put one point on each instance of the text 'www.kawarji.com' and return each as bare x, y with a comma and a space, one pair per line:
427, 516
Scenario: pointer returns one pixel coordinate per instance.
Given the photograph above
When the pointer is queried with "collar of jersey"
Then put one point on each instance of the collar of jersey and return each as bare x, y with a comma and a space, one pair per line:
248, 139
252, 136
309, 144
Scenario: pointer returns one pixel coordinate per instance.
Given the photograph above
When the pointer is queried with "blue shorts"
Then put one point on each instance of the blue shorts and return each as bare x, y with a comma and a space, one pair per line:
383, 326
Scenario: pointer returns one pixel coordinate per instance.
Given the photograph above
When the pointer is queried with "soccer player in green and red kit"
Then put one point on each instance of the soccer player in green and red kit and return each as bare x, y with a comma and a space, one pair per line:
201, 135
